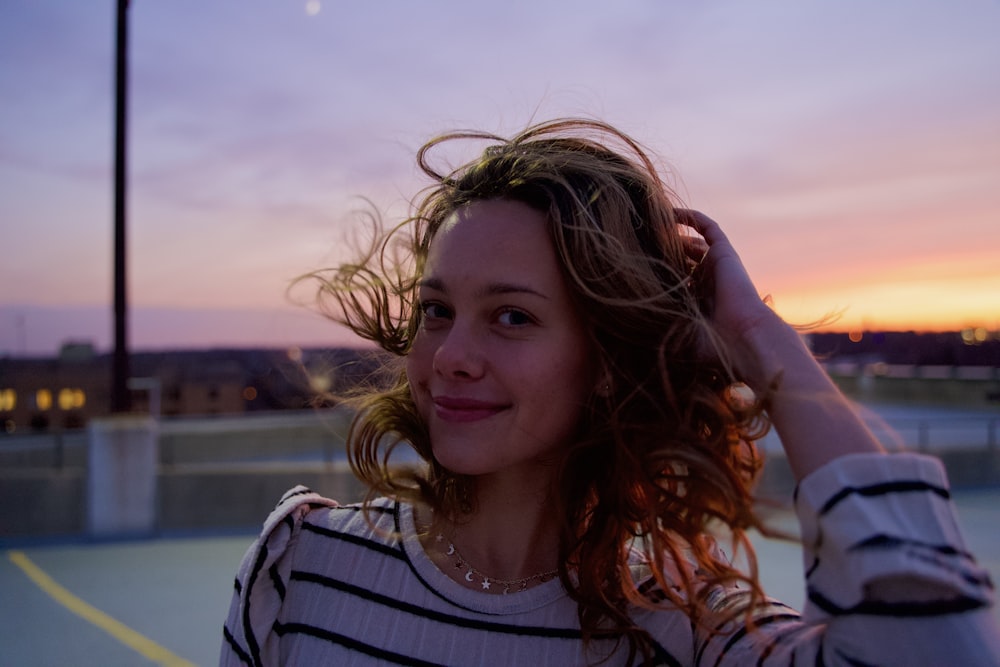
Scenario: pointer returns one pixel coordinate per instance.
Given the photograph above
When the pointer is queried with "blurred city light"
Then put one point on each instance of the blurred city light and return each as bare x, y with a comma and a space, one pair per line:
8, 400
43, 399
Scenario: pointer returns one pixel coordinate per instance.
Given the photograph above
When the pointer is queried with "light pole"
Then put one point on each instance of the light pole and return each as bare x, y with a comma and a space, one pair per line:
120, 399
123, 450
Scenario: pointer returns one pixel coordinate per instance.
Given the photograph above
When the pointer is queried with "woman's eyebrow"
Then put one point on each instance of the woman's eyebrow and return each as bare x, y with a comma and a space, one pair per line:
432, 283
510, 288
491, 289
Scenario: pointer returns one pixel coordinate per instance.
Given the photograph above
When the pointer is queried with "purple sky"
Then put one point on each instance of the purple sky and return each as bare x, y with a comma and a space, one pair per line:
851, 148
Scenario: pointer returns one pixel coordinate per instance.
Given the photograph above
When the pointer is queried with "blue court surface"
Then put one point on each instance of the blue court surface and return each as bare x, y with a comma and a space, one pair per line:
163, 601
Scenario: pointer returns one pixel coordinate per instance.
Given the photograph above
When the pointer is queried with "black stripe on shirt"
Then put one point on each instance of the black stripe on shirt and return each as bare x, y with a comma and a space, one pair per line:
279, 585
812, 567
247, 627
942, 607
293, 494
356, 507
743, 631
441, 617
353, 644
883, 541
939, 556
886, 488
372, 545
720, 629
237, 649
660, 654
783, 637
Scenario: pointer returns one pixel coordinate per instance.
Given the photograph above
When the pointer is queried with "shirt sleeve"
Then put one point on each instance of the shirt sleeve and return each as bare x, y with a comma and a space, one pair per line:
261, 582
889, 579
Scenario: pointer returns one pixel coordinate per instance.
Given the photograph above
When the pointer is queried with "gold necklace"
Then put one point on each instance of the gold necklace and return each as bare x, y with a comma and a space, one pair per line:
486, 581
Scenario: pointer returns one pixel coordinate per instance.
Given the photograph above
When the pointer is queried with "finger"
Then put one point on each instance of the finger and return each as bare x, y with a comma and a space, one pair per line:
704, 225
694, 254
695, 247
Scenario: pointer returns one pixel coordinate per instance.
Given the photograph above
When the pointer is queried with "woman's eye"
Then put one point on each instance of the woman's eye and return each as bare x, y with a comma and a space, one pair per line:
515, 318
431, 310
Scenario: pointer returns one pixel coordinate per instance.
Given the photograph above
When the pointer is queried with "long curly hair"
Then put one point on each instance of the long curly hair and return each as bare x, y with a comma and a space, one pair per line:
665, 454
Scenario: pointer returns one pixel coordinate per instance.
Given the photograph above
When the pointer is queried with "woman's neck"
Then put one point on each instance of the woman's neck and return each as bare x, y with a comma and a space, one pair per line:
511, 535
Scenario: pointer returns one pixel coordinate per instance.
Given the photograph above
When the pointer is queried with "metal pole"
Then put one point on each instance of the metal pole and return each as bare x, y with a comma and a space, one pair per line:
120, 369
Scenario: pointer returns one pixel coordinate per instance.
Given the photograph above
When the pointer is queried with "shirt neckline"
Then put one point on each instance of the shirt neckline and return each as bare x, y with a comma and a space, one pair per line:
444, 586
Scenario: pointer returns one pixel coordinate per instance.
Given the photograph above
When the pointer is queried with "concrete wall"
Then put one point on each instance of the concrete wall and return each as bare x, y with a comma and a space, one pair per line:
212, 473
228, 497
42, 502
254, 438
224, 497
232, 496
921, 385
38, 498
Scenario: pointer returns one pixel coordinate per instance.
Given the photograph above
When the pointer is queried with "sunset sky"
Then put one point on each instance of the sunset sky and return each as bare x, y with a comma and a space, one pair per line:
850, 148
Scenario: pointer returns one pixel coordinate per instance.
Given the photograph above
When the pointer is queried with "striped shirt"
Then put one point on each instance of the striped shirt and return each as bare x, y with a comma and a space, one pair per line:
889, 581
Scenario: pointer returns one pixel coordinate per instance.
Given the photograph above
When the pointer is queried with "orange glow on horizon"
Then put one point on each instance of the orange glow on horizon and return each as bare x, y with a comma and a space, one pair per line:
931, 291
938, 305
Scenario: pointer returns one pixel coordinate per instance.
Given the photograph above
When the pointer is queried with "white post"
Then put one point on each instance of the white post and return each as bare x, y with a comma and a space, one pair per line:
121, 475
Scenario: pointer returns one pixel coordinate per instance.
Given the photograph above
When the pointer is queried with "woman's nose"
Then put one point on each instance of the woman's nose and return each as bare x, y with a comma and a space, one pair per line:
460, 353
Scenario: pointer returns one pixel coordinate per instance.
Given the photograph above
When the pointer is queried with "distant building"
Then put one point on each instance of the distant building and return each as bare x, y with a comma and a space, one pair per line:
972, 347
43, 394
68, 391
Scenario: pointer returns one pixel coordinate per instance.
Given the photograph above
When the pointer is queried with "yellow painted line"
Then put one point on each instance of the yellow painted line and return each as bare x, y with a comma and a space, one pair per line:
126, 635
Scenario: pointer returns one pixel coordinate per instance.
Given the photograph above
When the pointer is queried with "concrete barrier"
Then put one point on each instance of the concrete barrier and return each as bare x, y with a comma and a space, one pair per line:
192, 493
122, 466
921, 385
241, 496
238, 497
42, 501
254, 437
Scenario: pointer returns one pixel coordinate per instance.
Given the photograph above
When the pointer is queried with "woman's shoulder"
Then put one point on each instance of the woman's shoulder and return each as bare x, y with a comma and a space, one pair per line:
293, 505
378, 516
301, 505
302, 512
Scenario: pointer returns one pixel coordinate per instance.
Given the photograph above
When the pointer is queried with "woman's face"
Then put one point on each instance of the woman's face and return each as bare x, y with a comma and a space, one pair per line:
500, 367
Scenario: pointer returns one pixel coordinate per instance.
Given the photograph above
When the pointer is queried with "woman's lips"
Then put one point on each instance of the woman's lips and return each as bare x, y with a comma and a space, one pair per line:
454, 409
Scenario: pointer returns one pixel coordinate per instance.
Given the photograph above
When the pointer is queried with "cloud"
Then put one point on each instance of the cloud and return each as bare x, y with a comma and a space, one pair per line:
824, 136
28, 330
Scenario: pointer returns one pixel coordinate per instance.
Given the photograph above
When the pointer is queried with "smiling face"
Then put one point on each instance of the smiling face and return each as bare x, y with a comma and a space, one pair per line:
500, 368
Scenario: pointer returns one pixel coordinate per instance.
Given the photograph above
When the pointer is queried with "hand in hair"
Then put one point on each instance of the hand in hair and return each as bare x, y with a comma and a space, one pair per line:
815, 421
726, 293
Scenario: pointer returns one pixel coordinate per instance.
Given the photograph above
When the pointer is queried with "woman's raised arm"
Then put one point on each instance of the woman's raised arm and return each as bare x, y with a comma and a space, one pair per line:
815, 422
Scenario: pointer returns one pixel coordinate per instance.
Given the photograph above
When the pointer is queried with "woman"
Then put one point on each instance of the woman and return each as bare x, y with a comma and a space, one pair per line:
574, 358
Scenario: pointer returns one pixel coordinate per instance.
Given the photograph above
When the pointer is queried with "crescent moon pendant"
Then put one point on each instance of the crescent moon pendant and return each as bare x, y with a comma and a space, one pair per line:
468, 576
